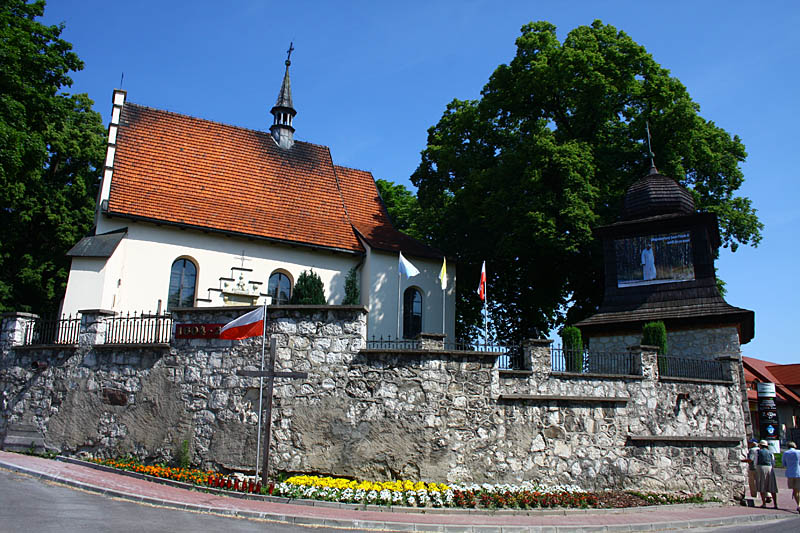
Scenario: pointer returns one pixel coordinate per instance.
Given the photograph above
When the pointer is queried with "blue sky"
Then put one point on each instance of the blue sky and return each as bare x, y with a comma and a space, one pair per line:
369, 79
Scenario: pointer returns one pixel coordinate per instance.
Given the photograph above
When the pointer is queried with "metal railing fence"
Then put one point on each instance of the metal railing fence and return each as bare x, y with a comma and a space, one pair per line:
389, 343
41, 331
589, 362
677, 367
145, 328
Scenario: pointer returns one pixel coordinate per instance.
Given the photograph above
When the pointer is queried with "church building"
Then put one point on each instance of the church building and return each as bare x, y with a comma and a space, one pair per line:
195, 213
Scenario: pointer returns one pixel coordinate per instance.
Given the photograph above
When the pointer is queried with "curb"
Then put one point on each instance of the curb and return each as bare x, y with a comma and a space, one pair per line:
373, 525
380, 508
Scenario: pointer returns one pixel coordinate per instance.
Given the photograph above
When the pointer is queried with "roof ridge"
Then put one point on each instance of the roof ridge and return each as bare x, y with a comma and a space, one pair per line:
356, 169
218, 123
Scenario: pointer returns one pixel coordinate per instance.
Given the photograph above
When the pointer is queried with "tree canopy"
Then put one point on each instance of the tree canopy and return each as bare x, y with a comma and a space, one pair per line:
51, 151
521, 176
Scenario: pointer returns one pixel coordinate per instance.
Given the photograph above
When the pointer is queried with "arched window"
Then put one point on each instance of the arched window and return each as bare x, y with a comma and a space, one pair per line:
412, 313
280, 288
182, 281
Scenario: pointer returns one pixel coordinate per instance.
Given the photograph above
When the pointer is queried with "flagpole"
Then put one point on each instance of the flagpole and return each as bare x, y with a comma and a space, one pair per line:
261, 386
398, 299
443, 328
486, 311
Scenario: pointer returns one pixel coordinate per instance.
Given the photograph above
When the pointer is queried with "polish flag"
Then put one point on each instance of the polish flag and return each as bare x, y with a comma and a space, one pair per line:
482, 285
246, 326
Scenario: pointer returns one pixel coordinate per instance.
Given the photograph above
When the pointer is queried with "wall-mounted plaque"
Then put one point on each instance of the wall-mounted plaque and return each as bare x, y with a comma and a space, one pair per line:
654, 259
197, 331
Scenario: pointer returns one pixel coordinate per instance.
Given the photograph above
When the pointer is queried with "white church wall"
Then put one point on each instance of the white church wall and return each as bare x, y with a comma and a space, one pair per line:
87, 276
380, 271
147, 253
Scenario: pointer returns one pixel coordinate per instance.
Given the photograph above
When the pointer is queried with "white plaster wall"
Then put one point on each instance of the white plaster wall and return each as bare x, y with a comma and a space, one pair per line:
136, 277
84, 285
381, 276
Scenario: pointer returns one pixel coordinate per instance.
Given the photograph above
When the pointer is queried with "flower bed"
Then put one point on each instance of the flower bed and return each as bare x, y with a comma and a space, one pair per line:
418, 494
527, 495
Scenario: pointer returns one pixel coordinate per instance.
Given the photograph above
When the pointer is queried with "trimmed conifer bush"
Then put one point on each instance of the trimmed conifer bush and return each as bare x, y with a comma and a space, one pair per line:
308, 290
573, 349
351, 292
655, 334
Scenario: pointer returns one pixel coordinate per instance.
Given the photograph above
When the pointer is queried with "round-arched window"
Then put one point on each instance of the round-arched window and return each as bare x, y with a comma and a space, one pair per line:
182, 284
412, 313
280, 288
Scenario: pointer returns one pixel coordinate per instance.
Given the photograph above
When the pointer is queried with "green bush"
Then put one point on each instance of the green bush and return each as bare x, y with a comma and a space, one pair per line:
308, 290
351, 292
655, 334
573, 349
185, 455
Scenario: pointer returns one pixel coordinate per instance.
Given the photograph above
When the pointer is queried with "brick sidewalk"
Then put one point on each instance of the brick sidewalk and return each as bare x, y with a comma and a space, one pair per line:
132, 488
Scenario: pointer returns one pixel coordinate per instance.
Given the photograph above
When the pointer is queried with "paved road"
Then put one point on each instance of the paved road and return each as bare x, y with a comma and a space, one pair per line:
790, 525
29, 504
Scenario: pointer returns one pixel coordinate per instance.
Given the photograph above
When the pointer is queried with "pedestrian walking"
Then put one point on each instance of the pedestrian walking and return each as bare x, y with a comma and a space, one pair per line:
791, 460
765, 474
752, 454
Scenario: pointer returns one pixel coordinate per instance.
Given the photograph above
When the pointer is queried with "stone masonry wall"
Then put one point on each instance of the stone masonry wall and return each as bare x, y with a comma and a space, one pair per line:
707, 343
376, 414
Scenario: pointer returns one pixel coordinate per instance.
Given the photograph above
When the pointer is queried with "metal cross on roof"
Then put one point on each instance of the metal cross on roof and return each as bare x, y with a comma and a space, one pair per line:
289, 54
649, 148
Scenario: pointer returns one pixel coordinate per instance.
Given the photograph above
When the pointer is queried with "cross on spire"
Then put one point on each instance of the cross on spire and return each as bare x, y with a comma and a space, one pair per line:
289, 54
653, 169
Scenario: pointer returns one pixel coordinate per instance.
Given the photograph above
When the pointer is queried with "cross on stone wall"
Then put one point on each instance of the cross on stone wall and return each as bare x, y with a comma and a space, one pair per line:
270, 375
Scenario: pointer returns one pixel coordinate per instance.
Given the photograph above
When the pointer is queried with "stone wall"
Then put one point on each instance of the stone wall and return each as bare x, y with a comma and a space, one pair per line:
705, 343
420, 414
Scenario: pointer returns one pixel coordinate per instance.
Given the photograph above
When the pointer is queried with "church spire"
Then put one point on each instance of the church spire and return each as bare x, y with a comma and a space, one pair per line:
283, 111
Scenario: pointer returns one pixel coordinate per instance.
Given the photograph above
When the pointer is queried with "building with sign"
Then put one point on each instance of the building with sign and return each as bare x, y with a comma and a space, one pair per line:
194, 213
786, 380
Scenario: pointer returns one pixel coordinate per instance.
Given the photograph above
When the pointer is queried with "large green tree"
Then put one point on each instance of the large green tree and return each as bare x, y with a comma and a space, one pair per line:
521, 176
51, 150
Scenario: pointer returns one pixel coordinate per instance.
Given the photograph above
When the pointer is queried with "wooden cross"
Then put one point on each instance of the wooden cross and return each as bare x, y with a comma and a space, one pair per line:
270, 374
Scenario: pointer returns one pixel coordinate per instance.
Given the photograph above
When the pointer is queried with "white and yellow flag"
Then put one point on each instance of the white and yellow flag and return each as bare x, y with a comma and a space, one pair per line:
443, 274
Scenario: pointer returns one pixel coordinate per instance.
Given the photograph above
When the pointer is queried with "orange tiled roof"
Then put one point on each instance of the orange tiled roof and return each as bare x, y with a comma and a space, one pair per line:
786, 374
193, 172
760, 371
368, 215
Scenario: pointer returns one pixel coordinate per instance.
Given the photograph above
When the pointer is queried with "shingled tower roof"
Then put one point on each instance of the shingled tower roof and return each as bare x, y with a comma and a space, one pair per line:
656, 194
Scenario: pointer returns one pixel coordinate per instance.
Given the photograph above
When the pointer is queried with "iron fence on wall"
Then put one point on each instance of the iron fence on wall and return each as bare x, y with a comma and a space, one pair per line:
589, 362
144, 328
389, 343
42, 331
676, 367
508, 356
